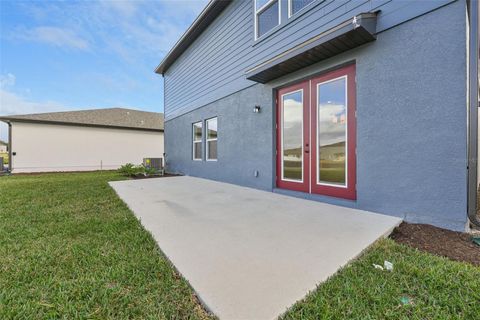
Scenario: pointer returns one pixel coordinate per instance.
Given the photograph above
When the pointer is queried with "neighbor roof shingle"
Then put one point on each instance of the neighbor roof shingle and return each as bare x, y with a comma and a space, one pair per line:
113, 117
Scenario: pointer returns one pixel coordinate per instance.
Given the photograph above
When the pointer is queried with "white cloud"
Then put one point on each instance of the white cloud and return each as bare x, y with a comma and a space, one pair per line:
56, 36
125, 7
135, 30
11, 103
7, 80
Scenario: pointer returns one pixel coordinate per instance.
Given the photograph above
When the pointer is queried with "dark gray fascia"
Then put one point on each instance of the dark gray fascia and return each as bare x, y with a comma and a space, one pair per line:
63, 123
206, 17
343, 37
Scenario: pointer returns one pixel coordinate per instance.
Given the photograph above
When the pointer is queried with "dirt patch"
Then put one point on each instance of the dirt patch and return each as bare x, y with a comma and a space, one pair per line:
453, 245
139, 177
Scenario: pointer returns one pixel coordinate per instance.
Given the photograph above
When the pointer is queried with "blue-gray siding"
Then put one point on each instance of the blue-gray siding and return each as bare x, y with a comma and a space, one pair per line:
214, 65
411, 124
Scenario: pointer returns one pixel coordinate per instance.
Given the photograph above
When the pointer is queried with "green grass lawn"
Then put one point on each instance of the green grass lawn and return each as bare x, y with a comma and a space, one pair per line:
432, 287
69, 248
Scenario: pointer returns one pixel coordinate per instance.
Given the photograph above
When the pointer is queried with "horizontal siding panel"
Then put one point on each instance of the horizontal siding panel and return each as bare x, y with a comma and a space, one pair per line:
215, 64
222, 37
198, 87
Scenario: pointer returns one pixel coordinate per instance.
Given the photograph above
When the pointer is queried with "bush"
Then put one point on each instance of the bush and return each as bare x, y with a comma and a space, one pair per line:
131, 170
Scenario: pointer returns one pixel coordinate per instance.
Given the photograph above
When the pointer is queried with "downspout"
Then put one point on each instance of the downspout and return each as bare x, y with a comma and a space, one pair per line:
10, 158
10, 152
473, 100
165, 166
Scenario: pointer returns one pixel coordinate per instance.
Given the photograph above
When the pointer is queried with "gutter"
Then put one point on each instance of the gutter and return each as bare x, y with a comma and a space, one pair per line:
76, 124
10, 153
473, 104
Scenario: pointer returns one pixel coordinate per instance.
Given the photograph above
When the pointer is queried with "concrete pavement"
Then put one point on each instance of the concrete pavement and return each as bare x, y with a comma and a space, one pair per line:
249, 254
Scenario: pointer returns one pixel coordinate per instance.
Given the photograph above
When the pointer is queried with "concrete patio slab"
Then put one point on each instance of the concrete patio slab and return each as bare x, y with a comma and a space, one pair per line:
249, 254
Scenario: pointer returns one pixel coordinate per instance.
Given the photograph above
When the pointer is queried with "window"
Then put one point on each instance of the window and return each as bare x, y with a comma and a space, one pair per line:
296, 5
197, 141
267, 16
212, 139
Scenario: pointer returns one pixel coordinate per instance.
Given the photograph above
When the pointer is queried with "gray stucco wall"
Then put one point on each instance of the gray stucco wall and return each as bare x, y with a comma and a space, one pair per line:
411, 124
244, 143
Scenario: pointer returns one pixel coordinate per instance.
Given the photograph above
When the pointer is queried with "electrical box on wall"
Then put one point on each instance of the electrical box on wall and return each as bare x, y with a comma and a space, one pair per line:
255, 173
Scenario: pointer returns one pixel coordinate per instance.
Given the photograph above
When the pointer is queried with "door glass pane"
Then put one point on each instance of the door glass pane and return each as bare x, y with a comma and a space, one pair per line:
292, 127
332, 132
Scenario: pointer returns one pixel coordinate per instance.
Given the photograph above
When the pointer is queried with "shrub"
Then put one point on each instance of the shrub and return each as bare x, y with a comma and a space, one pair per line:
131, 170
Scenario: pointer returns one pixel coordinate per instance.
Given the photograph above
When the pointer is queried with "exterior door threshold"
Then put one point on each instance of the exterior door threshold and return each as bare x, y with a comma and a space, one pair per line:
317, 197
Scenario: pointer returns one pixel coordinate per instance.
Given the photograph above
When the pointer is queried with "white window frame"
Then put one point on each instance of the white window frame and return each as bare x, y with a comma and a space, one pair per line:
317, 147
281, 135
208, 140
194, 142
290, 13
262, 9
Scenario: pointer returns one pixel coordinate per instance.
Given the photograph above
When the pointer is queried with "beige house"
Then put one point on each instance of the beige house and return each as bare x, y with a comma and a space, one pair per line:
101, 139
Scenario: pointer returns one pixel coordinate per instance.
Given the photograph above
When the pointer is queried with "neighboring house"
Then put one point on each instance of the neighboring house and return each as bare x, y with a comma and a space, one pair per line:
366, 104
101, 139
3, 146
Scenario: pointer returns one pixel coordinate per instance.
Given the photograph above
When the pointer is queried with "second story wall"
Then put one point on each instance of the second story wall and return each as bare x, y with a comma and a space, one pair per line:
214, 65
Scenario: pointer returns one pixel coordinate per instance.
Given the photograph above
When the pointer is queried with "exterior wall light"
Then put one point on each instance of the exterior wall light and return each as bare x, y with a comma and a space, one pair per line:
256, 109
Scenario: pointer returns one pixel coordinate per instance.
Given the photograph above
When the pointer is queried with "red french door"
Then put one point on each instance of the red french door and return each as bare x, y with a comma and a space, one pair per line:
316, 135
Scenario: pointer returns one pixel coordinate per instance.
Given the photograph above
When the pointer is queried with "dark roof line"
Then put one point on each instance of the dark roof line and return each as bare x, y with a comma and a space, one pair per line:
206, 17
116, 118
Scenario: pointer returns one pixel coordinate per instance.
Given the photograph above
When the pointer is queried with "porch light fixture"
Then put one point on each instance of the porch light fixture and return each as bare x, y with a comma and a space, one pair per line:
256, 109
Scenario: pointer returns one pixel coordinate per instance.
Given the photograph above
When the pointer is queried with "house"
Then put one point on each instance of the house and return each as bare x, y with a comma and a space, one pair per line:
3, 146
102, 139
365, 104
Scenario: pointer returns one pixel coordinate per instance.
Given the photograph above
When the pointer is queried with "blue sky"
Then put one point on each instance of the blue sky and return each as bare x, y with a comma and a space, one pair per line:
70, 55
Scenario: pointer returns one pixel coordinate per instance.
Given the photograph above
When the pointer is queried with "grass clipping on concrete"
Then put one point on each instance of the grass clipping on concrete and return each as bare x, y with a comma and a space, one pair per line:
70, 248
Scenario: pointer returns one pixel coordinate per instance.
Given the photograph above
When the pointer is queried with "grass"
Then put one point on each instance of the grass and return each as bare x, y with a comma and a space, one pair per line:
69, 248
433, 287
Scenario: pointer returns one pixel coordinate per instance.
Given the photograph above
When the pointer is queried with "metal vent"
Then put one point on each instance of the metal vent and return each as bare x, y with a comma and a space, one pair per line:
153, 163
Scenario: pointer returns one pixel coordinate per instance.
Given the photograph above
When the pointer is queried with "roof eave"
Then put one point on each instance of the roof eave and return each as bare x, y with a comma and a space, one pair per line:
204, 19
65, 123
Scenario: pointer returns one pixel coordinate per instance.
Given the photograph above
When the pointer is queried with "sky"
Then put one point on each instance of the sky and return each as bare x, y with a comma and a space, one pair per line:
73, 55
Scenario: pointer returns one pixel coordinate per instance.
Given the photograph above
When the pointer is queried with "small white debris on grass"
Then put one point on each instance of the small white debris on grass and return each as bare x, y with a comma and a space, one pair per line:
388, 265
377, 266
